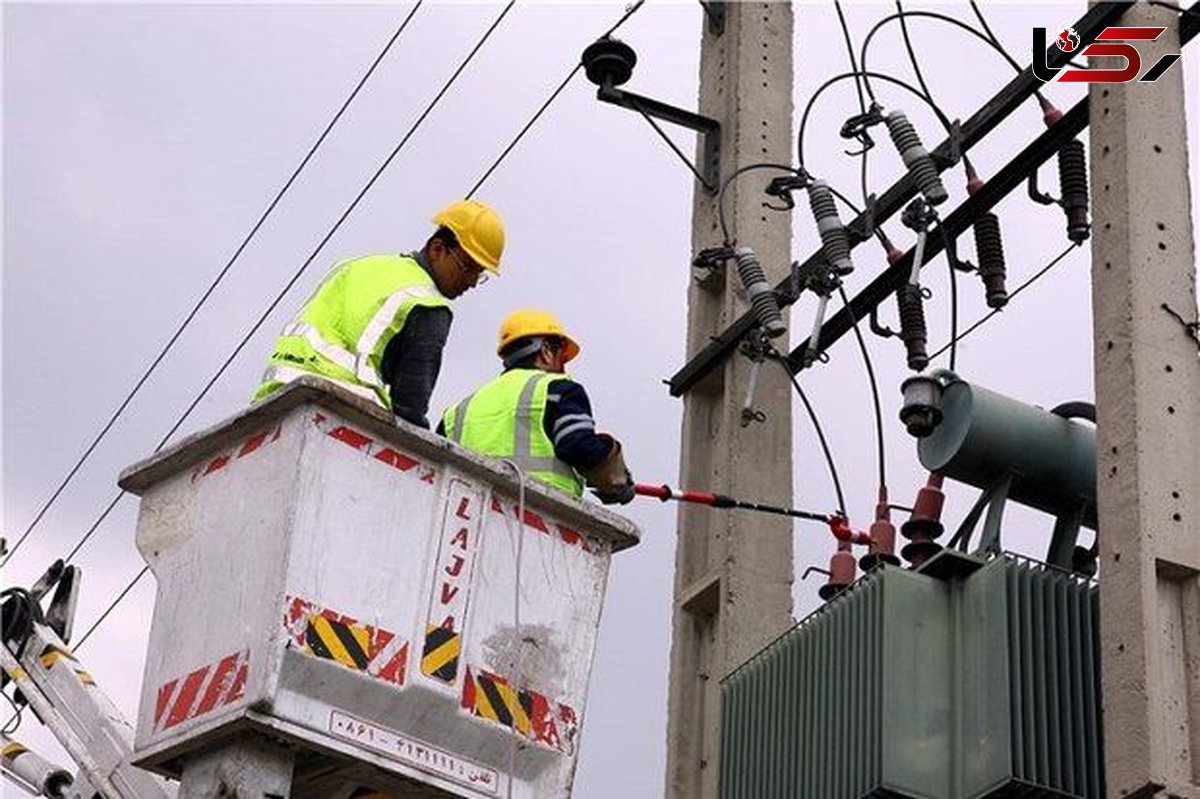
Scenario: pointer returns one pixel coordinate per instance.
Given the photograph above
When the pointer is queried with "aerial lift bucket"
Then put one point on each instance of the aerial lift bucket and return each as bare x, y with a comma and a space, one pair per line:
347, 588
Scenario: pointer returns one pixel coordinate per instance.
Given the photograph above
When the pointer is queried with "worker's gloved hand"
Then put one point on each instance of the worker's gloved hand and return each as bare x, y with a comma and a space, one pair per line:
619, 495
610, 479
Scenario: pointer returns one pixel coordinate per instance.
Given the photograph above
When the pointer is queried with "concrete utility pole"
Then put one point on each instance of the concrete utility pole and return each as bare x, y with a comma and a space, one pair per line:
733, 571
1148, 408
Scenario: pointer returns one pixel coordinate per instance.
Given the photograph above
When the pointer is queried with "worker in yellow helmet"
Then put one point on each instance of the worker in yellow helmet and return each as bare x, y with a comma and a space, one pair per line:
538, 417
377, 325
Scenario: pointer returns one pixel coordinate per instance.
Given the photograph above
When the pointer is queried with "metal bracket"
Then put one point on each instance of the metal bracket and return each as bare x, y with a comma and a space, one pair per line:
709, 266
1037, 195
714, 12
708, 128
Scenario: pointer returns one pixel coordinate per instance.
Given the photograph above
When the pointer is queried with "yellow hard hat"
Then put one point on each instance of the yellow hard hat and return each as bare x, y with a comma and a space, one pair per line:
525, 323
478, 229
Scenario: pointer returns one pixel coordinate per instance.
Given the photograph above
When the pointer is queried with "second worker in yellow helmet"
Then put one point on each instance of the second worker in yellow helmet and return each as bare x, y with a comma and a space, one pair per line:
537, 416
376, 326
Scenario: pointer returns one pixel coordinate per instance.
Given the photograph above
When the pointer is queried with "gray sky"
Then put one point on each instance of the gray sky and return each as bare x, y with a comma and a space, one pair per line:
142, 141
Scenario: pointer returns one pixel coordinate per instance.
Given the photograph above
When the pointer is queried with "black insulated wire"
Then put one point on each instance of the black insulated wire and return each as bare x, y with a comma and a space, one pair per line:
553, 96
858, 88
881, 459
726, 239
816, 423
111, 607
945, 122
212, 286
1012, 296
312, 257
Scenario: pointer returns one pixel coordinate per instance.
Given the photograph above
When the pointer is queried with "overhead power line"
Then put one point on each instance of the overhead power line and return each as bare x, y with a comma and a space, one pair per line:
624, 17
211, 288
553, 96
1012, 295
237, 350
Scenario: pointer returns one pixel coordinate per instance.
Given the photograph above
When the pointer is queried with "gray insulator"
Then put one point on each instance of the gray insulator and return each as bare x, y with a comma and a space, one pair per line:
829, 225
762, 298
916, 158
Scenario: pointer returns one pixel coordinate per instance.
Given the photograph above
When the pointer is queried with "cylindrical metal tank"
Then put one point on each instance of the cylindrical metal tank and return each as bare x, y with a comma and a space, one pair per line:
984, 436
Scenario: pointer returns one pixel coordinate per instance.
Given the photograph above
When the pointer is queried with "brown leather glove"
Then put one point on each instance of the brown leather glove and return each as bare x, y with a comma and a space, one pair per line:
610, 478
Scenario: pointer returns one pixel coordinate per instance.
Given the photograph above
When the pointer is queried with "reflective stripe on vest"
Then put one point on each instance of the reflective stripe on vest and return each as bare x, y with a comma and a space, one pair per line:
341, 333
526, 423
282, 375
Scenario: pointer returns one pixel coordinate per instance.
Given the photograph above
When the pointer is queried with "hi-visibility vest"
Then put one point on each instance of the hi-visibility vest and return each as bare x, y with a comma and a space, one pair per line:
505, 419
341, 333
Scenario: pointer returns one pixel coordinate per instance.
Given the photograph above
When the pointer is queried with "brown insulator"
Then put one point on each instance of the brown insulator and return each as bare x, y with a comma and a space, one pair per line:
925, 525
842, 571
883, 537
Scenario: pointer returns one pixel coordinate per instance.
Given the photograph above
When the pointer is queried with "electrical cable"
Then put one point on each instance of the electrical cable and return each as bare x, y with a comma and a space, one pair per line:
480, 182
308, 261
987, 29
912, 57
738, 173
1011, 295
9, 726
870, 367
629, 12
843, 76
812, 415
862, 104
948, 248
112, 606
212, 286
867, 363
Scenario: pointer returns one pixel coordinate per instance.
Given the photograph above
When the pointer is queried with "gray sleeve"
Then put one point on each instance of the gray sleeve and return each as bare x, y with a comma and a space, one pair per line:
412, 361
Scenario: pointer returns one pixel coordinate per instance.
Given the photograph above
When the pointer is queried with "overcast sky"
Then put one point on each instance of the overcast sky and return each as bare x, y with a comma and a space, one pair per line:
141, 142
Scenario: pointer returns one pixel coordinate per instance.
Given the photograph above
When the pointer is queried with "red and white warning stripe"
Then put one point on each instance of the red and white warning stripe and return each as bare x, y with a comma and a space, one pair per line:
201, 691
247, 447
360, 441
536, 522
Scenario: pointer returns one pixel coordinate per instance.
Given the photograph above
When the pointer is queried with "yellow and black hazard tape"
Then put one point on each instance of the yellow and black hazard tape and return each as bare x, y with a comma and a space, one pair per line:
52, 654
342, 643
495, 699
439, 657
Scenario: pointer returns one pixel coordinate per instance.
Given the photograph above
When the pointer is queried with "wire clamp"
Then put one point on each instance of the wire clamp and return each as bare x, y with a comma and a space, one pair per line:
709, 266
856, 127
782, 188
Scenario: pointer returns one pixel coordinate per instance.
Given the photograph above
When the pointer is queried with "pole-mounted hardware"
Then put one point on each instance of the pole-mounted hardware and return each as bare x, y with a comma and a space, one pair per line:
714, 12
973, 130
755, 347
609, 63
910, 297
1073, 185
